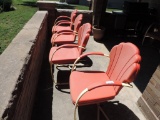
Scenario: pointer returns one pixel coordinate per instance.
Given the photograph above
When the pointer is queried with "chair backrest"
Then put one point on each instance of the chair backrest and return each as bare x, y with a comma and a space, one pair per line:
73, 17
83, 36
77, 22
124, 63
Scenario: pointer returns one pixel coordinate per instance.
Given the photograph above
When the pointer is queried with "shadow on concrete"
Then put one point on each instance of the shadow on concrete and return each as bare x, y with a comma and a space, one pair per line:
114, 111
63, 77
43, 100
149, 53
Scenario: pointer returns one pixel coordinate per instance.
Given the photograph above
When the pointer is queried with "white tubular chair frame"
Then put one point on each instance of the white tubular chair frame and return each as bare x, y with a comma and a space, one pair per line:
109, 83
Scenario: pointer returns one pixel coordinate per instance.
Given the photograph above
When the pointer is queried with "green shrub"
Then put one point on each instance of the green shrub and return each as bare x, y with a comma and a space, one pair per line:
5, 5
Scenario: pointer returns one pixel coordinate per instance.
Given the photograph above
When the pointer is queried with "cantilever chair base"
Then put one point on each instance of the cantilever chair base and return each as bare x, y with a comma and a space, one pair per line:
63, 65
54, 81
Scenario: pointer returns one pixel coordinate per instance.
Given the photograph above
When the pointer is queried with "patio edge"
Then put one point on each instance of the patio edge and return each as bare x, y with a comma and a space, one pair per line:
20, 65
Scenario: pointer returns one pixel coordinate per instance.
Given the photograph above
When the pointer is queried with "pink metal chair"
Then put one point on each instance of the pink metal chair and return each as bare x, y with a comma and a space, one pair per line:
68, 53
64, 22
94, 87
67, 36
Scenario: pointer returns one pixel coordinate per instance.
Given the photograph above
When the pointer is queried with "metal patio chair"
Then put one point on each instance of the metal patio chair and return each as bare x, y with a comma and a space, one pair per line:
64, 22
67, 36
68, 53
95, 87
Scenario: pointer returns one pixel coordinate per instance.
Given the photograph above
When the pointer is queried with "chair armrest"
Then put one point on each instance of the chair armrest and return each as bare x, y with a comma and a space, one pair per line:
62, 17
100, 84
67, 31
64, 46
108, 83
68, 45
86, 54
96, 85
61, 33
64, 31
62, 23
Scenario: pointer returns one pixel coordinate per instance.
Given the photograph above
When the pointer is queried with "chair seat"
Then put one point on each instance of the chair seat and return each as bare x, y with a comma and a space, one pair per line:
60, 28
64, 39
79, 80
63, 55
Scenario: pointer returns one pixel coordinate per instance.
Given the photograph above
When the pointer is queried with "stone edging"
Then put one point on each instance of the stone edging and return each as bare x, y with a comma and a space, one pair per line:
20, 65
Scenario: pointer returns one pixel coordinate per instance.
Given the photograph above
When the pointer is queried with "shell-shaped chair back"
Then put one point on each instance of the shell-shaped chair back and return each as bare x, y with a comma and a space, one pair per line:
83, 36
124, 63
77, 22
73, 17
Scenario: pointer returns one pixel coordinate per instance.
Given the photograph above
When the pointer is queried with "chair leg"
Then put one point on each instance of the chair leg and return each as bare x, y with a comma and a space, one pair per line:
76, 106
100, 109
52, 73
98, 112
55, 82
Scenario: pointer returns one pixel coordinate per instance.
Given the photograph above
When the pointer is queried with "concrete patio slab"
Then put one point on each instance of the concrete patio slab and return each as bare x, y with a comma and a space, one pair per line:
54, 102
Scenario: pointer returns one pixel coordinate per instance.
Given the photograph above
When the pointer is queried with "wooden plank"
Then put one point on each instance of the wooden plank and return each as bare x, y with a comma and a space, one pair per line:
148, 96
144, 95
157, 87
158, 67
157, 107
146, 109
155, 83
152, 106
152, 93
156, 75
